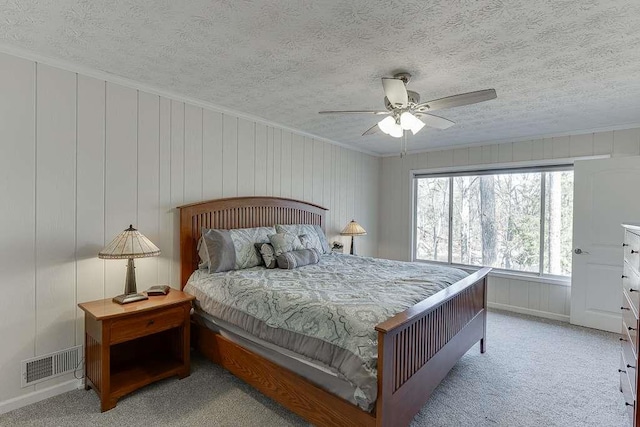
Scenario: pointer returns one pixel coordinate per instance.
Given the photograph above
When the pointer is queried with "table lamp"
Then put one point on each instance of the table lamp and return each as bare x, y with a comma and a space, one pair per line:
129, 244
353, 229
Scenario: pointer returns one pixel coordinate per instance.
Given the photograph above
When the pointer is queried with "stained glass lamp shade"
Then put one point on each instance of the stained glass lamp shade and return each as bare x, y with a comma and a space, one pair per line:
353, 229
129, 244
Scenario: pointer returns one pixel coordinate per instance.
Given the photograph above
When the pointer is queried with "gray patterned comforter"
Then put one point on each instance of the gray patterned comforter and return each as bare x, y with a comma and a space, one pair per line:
326, 312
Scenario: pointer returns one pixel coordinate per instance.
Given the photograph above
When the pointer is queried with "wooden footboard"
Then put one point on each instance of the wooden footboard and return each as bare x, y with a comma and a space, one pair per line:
418, 347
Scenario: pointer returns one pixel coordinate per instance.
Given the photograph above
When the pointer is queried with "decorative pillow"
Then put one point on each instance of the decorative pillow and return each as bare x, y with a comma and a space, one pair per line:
299, 258
285, 242
307, 243
313, 233
216, 250
244, 240
267, 254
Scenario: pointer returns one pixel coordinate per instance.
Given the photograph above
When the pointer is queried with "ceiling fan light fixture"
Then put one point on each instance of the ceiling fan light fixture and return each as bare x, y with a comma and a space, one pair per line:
410, 122
396, 131
387, 124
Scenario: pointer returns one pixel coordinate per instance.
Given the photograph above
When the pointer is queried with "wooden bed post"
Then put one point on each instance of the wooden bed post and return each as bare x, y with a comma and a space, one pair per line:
385, 366
483, 340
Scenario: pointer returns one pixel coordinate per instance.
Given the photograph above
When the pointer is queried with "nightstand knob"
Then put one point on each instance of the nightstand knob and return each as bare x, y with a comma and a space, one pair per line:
625, 277
624, 308
634, 252
625, 244
631, 329
621, 371
629, 366
151, 322
633, 290
622, 339
629, 404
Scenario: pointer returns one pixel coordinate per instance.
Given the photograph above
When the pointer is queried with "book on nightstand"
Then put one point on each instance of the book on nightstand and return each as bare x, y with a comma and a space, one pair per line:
158, 290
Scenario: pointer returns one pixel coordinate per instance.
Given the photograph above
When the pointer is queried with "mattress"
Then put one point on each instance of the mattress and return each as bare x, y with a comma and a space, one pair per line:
314, 371
325, 312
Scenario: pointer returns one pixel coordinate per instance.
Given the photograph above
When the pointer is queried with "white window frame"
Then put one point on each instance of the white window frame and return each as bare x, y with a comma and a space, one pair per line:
495, 167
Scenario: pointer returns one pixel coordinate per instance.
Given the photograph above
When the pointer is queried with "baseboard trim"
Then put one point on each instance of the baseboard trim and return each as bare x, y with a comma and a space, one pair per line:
529, 311
38, 395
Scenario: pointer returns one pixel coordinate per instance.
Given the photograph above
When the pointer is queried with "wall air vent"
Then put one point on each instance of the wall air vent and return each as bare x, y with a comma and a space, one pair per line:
50, 365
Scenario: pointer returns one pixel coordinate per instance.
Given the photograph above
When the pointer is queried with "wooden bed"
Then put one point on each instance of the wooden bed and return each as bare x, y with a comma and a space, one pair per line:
416, 348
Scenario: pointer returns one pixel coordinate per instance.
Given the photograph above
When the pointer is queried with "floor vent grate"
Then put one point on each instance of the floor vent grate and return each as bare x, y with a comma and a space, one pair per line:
51, 365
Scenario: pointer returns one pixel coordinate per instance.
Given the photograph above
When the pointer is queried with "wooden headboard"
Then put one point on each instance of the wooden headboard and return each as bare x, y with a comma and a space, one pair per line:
238, 212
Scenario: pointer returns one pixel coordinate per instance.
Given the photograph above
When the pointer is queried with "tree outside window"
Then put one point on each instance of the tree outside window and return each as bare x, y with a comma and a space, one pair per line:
497, 220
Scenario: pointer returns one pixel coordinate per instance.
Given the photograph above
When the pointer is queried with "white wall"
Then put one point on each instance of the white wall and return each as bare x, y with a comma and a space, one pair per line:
82, 158
548, 298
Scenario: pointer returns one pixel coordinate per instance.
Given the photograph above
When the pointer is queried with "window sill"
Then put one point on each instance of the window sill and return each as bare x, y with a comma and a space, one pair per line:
529, 277
551, 280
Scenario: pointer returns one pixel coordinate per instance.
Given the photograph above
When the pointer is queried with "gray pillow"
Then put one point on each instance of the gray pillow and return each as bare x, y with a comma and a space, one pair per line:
285, 242
267, 254
299, 258
314, 233
244, 240
216, 250
323, 239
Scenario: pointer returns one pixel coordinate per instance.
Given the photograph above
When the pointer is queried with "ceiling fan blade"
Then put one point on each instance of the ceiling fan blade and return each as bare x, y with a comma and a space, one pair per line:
458, 100
435, 121
378, 113
395, 91
373, 129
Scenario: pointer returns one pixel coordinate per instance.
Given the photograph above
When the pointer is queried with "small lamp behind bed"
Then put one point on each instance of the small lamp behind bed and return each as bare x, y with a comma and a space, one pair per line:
129, 244
353, 229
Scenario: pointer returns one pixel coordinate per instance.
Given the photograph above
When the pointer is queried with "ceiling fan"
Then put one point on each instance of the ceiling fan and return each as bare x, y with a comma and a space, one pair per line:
406, 112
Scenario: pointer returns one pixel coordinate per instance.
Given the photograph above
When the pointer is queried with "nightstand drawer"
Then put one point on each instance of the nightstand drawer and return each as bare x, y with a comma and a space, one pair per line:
134, 327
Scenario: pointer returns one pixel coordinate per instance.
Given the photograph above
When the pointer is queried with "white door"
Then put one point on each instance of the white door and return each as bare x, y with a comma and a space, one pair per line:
605, 195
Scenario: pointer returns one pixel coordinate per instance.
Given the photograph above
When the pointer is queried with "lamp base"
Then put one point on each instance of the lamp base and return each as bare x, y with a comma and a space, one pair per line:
130, 292
127, 298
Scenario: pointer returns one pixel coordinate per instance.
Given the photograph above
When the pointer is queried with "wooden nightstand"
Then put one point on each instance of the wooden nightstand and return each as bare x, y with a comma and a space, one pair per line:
132, 345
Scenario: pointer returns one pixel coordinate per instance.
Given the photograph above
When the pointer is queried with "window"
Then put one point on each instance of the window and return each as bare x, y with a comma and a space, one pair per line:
517, 219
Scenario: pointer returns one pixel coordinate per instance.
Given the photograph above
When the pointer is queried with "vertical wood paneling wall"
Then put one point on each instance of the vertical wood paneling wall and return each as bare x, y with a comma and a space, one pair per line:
83, 158
548, 299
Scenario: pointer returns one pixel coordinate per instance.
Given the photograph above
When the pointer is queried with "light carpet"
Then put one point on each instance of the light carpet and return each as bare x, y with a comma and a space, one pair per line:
536, 372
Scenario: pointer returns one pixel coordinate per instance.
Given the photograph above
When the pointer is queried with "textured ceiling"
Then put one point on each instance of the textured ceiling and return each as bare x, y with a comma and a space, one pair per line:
558, 65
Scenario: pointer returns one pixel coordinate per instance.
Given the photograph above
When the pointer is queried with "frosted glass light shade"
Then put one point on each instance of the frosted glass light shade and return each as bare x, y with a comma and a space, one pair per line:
396, 131
129, 244
410, 122
387, 124
353, 229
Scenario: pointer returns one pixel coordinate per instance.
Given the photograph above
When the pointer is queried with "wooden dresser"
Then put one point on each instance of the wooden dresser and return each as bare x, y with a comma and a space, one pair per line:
630, 310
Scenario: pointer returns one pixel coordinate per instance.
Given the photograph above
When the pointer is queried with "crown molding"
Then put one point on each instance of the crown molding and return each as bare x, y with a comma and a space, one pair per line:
520, 139
133, 84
